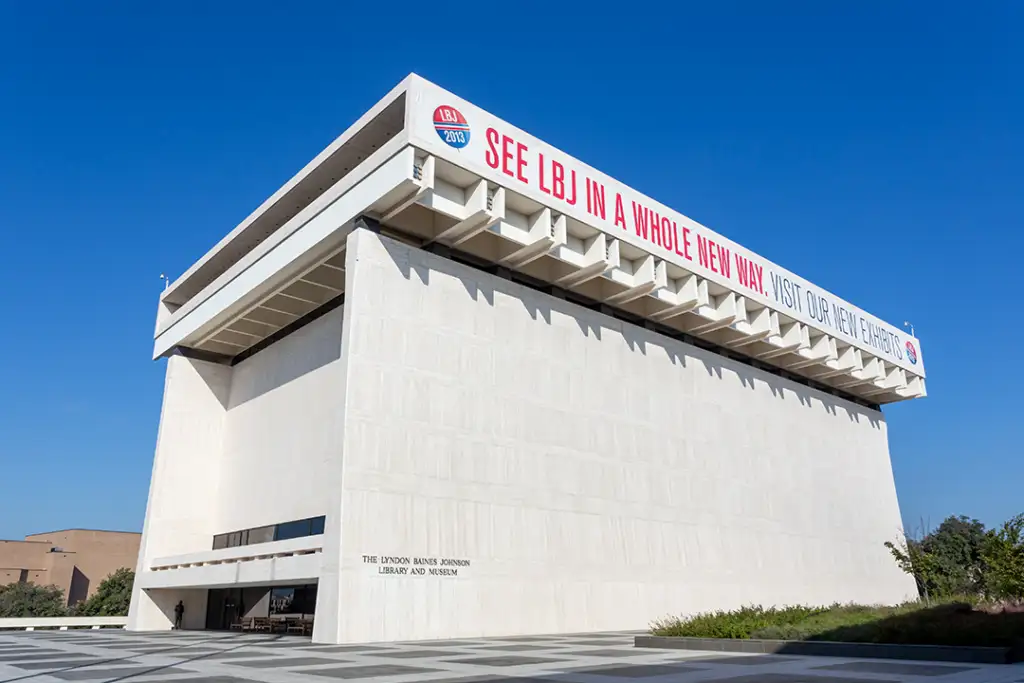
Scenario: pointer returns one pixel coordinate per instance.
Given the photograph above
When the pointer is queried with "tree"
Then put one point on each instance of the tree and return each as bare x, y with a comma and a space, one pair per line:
19, 600
111, 599
946, 562
956, 551
1003, 553
912, 558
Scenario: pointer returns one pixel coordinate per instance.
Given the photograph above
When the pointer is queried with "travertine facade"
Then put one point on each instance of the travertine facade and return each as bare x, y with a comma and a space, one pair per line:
594, 475
581, 473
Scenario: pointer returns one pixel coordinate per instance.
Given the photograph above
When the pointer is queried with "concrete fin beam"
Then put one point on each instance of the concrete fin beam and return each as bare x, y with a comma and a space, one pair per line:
545, 236
560, 229
260, 303
915, 388
873, 369
484, 210
822, 350
495, 200
850, 381
449, 200
759, 325
791, 338
846, 361
870, 371
648, 276
423, 176
722, 311
600, 253
691, 292
894, 379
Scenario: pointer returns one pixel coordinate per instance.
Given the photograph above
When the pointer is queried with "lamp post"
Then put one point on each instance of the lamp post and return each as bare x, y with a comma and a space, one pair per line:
910, 326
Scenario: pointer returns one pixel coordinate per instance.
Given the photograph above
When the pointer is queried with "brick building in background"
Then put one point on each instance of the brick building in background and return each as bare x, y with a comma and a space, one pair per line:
75, 560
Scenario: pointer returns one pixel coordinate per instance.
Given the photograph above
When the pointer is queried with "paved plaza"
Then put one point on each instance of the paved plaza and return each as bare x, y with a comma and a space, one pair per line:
210, 657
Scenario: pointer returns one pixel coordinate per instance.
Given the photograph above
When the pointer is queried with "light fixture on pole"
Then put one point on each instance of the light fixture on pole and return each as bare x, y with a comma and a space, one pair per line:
909, 326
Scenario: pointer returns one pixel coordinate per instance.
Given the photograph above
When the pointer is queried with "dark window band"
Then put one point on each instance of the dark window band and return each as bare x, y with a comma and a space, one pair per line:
313, 526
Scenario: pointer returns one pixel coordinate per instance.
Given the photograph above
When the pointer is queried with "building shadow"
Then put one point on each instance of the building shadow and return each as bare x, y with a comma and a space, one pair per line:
300, 353
955, 624
79, 588
599, 321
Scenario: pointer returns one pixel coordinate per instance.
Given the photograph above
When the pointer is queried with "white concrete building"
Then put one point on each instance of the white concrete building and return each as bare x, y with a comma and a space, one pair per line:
450, 382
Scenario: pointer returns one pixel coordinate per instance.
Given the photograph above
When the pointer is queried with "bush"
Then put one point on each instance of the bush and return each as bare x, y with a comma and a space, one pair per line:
956, 622
961, 558
824, 620
111, 599
20, 600
1003, 553
945, 562
735, 624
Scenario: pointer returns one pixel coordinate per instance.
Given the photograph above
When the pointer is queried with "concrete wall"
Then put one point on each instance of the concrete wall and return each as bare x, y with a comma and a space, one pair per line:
281, 430
156, 609
241, 447
594, 475
185, 478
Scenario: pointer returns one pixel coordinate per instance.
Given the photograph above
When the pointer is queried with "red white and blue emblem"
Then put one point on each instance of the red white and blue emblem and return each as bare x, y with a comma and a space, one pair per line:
911, 353
451, 125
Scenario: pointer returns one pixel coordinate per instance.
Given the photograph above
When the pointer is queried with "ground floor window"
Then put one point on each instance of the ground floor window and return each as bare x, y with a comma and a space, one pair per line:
293, 601
273, 609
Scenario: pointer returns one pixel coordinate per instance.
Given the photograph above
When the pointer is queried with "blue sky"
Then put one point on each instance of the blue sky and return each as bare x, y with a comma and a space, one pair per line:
875, 148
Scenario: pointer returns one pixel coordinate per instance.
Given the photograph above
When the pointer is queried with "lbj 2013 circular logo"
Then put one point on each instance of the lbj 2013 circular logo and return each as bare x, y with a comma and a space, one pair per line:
451, 125
911, 353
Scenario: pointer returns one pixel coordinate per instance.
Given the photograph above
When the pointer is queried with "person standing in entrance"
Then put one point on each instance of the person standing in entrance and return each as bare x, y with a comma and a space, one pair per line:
179, 613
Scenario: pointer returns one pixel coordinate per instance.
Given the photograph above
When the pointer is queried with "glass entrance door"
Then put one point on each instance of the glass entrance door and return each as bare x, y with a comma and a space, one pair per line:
223, 608
241, 608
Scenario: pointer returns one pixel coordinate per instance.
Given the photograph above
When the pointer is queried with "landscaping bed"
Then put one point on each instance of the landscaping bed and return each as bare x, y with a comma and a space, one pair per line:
817, 630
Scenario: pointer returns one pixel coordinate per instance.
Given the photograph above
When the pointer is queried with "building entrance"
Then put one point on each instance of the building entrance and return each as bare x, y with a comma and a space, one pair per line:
270, 609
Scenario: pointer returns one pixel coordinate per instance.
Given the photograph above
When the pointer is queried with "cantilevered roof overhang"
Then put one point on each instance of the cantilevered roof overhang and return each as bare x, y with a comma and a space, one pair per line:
432, 169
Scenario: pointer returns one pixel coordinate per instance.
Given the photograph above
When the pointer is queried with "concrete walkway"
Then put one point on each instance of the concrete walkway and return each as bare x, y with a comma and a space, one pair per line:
209, 657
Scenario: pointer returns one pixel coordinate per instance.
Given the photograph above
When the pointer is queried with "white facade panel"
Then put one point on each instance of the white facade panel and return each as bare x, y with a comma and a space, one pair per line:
282, 430
584, 474
240, 447
185, 474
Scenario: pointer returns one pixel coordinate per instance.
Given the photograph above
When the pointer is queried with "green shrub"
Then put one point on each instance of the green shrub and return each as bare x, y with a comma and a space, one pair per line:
20, 600
1003, 552
961, 558
735, 624
955, 622
111, 599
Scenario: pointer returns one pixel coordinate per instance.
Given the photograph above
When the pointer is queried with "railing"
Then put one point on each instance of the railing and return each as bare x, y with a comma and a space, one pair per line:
61, 623
304, 545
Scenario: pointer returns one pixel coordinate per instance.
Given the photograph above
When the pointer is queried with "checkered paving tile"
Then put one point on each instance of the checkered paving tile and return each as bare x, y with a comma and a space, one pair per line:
110, 656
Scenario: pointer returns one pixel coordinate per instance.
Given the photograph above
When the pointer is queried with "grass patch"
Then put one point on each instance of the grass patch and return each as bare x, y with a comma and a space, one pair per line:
953, 623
